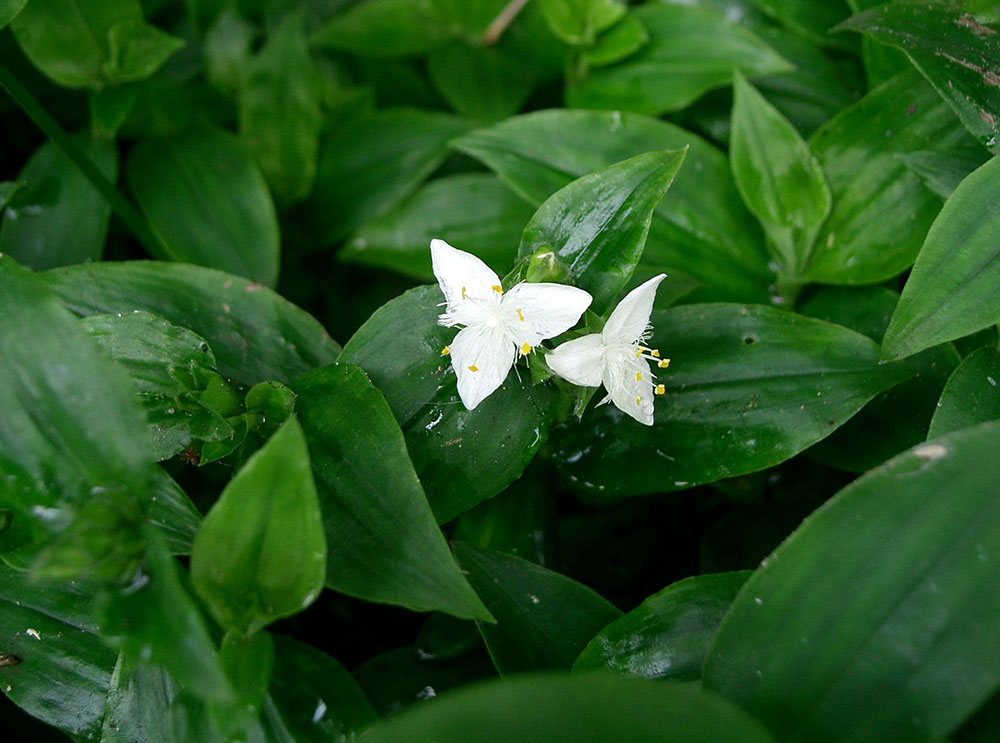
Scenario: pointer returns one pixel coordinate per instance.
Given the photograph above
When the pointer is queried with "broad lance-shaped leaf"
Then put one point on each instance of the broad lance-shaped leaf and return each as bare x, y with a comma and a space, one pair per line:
971, 394
597, 225
9, 10
462, 456
811, 19
591, 708
260, 553
255, 334
693, 231
749, 387
207, 201
676, 67
887, 587
383, 28
777, 176
543, 619
959, 56
383, 542
667, 636
952, 289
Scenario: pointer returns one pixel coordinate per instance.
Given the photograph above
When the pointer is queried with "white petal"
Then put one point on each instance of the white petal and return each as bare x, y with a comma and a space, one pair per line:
579, 361
534, 312
631, 395
482, 357
460, 274
631, 317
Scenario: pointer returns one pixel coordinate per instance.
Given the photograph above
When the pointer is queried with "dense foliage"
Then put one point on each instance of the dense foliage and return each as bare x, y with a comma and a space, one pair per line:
244, 494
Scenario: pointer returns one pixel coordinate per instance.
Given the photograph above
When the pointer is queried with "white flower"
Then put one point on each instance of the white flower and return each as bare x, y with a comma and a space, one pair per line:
499, 326
616, 356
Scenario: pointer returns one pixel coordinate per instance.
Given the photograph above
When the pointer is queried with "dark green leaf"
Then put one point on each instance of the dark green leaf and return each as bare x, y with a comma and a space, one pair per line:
572, 709
173, 513
462, 456
473, 210
943, 170
971, 395
208, 202
138, 704
383, 544
248, 662
260, 553
881, 211
887, 587
951, 293
811, 18
577, 22
668, 635
597, 225
9, 10
676, 67
959, 56
383, 28
228, 50
480, 82
694, 231
254, 333
543, 619
748, 388
57, 218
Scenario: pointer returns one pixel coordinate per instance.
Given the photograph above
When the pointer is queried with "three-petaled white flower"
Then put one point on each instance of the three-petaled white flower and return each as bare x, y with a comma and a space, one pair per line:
499, 326
616, 356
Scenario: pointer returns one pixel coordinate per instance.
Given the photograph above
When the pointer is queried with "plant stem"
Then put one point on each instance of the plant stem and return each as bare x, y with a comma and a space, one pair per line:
504, 18
128, 214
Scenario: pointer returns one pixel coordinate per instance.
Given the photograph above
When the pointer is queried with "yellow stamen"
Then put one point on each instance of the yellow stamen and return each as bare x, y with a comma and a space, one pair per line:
638, 400
525, 349
638, 353
473, 368
497, 289
463, 292
664, 363
446, 350
660, 389
655, 353
638, 376
520, 316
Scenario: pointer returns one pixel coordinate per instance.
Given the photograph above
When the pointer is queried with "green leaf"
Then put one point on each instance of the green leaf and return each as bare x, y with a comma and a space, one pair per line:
918, 570
959, 56
811, 18
208, 202
383, 28
136, 50
543, 619
228, 48
950, 293
597, 225
383, 543
749, 387
676, 67
279, 111
172, 511
577, 22
260, 553
668, 634
56, 218
462, 456
971, 395
255, 334
248, 662
138, 703
371, 164
942, 170
694, 231
881, 211
622, 40
484, 83
777, 176
9, 10
571, 709
474, 210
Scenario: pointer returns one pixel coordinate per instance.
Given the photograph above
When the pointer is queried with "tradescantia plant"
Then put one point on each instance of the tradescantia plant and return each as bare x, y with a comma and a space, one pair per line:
219, 523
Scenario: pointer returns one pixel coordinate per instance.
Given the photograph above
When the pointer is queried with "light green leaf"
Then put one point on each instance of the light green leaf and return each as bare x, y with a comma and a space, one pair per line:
971, 395
622, 40
577, 22
137, 50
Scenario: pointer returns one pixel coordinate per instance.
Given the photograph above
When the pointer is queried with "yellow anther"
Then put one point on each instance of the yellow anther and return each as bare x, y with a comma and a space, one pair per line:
520, 316
638, 353
655, 353
638, 400
664, 363
660, 389
638, 376
525, 349
463, 292
473, 368
497, 289
446, 350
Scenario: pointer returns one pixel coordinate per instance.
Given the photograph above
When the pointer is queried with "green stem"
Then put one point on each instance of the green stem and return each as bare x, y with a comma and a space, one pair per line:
128, 214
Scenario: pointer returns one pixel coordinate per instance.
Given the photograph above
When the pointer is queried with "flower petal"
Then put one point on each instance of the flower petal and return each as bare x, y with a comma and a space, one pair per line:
482, 357
579, 361
631, 395
460, 274
630, 318
534, 312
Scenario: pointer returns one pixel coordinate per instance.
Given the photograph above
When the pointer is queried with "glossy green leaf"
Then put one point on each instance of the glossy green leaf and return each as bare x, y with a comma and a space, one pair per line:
473, 210
811, 18
9, 10
260, 553
572, 709
971, 395
748, 388
484, 83
383, 28
543, 619
138, 701
676, 67
56, 218
950, 293
208, 202
248, 662
577, 22
172, 511
371, 164
959, 56
254, 333
597, 225
462, 456
881, 211
694, 231
383, 543
943, 170
887, 587
279, 111
777, 176
668, 634
622, 40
